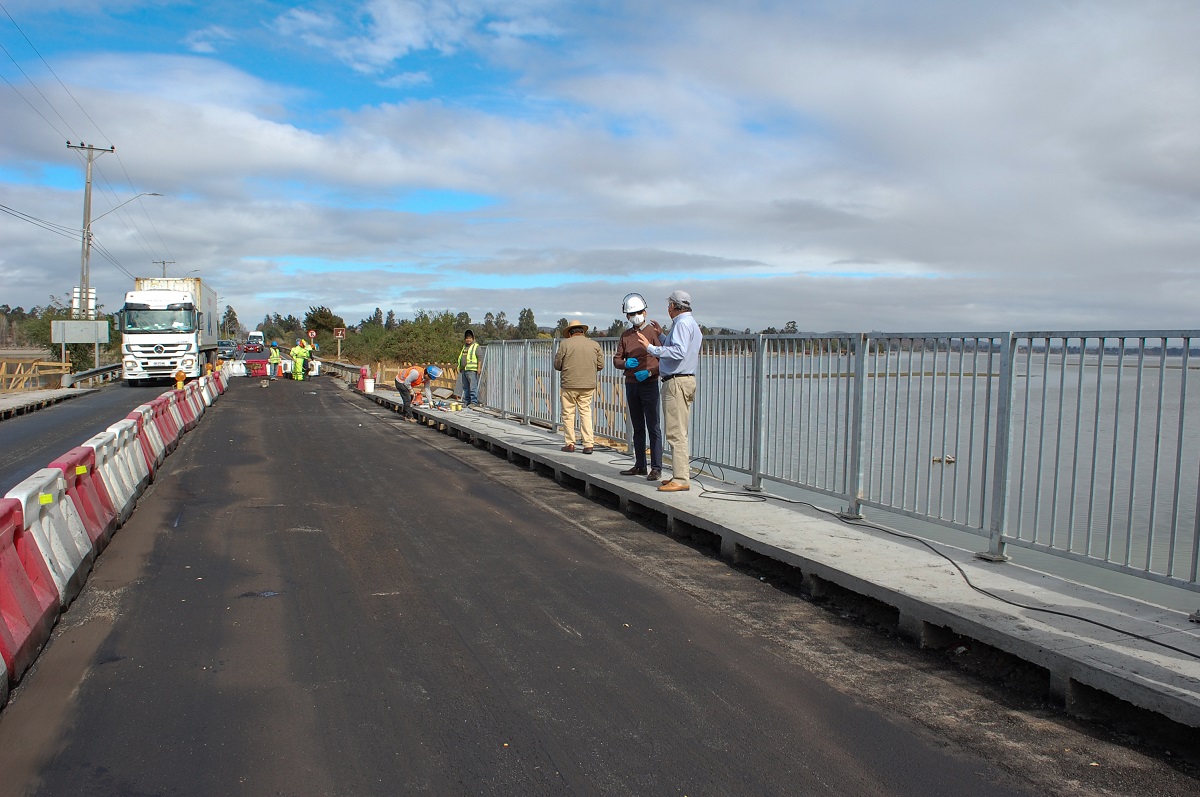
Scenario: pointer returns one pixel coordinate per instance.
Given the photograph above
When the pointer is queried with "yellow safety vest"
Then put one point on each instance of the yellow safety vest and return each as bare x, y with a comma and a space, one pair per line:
468, 357
275, 356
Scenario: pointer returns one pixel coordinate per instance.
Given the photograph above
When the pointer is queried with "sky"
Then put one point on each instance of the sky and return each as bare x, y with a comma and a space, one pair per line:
850, 165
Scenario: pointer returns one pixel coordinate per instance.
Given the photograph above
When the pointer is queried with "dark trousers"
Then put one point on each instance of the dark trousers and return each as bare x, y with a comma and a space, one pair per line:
405, 397
642, 398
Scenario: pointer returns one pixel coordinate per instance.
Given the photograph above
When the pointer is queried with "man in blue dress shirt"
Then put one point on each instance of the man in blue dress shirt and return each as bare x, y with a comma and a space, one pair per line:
678, 358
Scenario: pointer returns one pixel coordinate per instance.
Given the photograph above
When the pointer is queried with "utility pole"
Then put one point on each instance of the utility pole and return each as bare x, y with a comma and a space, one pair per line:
164, 264
84, 294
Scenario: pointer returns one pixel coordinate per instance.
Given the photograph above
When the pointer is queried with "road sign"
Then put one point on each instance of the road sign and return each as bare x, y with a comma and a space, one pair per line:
340, 333
312, 333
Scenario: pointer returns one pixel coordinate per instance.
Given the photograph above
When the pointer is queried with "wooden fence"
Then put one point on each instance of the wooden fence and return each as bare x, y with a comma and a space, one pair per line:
30, 375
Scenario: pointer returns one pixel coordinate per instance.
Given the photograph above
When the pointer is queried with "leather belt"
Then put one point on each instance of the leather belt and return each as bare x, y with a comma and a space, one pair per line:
669, 377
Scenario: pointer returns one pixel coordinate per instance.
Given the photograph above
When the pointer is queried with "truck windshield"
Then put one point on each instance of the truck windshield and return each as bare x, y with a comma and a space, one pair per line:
159, 321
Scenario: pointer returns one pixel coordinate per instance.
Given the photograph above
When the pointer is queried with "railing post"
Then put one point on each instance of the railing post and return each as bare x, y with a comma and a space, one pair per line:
860, 351
526, 391
502, 394
555, 402
1000, 471
757, 427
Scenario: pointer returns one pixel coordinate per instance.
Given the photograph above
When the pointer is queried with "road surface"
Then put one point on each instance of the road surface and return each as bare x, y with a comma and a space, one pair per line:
317, 598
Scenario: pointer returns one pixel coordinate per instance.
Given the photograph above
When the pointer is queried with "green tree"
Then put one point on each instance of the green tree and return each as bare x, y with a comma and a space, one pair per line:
390, 323
322, 319
615, 329
526, 325
230, 326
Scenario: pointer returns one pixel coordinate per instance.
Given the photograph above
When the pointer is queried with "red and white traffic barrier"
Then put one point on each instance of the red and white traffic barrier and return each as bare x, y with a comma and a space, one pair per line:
119, 481
131, 454
50, 517
154, 447
28, 598
86, 489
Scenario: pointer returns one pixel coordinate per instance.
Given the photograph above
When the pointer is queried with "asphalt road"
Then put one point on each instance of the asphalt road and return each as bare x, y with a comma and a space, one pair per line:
316, 598
29, 442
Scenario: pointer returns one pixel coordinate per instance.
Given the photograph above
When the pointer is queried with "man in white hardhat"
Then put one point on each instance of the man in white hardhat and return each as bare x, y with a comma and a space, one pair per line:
678, 359
579, 358
641, 386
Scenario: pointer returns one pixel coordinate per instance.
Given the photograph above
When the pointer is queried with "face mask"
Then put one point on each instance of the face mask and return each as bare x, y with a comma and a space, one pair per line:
637, 319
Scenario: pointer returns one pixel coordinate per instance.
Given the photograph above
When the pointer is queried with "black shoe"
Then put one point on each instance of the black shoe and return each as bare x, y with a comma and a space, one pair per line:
634, 471
654, 475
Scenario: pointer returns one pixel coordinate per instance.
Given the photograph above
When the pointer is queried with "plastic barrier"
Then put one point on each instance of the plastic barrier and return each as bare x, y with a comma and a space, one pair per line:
132, 454
120, 482
206, 389
86, 489
50, 518
185, 412
28, 598
168, 427
153, 446
196, 396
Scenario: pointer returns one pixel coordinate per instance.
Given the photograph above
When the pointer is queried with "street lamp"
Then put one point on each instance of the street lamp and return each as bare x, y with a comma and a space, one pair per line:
85, 260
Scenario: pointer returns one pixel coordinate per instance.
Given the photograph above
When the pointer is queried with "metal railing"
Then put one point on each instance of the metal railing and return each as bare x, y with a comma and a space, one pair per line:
1084, 445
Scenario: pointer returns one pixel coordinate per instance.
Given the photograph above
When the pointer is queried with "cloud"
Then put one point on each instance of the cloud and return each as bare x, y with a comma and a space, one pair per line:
935, 165
207, 40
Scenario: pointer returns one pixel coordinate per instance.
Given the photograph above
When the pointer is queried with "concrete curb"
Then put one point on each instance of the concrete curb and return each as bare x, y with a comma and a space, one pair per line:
933, 605
14, 404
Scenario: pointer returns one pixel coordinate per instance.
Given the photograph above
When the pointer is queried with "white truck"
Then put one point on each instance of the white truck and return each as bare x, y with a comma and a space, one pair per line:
168, 324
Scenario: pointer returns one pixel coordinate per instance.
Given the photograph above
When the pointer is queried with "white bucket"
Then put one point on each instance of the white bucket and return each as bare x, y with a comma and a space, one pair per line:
368, 385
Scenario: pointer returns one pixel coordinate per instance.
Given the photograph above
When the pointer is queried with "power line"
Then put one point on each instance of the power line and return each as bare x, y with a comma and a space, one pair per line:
58, 229
52, 72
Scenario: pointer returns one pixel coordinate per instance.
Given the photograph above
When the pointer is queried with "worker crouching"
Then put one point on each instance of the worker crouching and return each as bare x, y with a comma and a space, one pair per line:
410, 379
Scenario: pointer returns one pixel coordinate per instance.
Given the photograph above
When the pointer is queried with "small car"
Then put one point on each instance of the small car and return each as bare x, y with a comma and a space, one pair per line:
253, 346
227, 349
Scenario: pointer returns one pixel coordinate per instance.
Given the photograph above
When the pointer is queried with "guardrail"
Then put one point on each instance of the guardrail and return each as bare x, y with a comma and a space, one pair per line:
105, 373
1081, 444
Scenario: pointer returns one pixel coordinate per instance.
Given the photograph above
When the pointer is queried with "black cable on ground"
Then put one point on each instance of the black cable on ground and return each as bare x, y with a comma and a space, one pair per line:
733, 495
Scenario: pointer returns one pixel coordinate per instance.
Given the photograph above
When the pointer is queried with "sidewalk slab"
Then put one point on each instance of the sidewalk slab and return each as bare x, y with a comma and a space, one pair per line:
1119, 657
20, 402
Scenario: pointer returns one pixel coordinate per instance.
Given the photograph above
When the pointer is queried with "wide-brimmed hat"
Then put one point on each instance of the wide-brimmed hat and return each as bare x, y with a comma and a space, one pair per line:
576, 323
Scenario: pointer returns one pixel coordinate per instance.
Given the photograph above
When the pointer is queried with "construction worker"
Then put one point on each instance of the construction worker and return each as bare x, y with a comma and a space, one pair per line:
413, 377
299, 354
275, 361
468, 368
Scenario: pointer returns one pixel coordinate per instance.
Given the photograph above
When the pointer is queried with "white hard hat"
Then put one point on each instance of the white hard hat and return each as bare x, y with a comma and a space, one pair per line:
633, 303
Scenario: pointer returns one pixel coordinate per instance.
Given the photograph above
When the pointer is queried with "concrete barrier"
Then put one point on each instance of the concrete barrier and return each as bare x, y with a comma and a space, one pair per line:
120, 482
50, 517
86, 489
28, 599
132, 454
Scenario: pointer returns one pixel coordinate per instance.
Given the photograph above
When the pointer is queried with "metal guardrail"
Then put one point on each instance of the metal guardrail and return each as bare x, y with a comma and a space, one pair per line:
1081, 444
105, 373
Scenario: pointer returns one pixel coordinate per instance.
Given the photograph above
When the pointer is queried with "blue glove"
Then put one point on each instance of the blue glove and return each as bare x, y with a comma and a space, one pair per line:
631, 362
642, 375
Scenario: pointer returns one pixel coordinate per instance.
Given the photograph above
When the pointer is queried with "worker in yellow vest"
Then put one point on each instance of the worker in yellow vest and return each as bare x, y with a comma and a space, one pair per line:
468, 368
412, 378
275, 361
299, 354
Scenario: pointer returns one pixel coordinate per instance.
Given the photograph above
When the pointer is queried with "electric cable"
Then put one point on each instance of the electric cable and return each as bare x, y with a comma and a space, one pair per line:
763, 497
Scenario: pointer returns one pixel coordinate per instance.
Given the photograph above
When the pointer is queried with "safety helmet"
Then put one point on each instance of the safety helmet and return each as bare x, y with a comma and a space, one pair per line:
433, 371
274, 344
633, 303
299, 341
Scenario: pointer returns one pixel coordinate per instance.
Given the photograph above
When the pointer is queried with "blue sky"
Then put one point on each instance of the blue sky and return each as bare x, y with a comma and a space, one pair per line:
919, 165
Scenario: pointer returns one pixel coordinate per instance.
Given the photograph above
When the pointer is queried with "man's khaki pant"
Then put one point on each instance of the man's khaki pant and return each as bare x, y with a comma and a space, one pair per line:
580, 401
677, 397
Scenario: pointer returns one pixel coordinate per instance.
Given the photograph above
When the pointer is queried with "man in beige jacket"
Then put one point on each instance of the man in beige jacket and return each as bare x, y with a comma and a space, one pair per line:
580, 359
